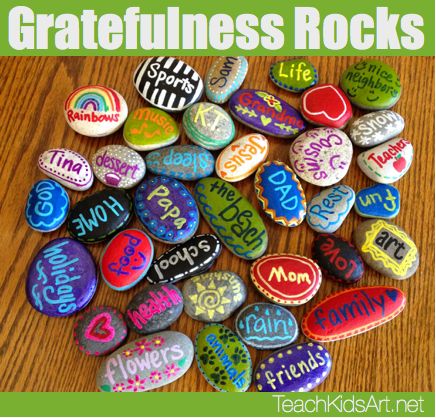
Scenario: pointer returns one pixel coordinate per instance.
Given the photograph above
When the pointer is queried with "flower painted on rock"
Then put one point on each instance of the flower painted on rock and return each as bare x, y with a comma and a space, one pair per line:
155, 377
127, 353
142, 346
136, 384
171, 370
119, 387
158, 341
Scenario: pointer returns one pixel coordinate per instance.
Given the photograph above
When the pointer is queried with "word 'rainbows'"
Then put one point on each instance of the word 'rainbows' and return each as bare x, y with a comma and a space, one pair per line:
96, 98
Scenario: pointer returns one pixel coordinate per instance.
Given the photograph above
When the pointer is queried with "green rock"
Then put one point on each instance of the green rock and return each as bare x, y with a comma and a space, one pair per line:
294, 75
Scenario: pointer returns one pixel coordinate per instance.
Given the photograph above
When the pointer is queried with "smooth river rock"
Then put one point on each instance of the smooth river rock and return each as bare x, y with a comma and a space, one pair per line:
293, 75
378, 201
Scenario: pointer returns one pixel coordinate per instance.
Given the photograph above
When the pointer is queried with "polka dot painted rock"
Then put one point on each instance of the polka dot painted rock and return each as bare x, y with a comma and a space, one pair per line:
294, 75
378, 201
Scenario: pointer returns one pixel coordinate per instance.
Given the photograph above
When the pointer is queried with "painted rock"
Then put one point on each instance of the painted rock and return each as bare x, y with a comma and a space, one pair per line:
378, 201
62, 278
181, 162
353, 311
67, 167
154, 308
242, 157
100, 215
168, 83
213, 296
266, 326
375, 128
126, 259
166, 209
387, 249
388, 162
95, 110
148, 128
232, 218
47, 206
328, 209
371, 84
321, 156
194, 256
223, 359
338, 259
286, 279
224, 77
147, 363
280, 193
99, 330
326, 105
294, 75
208, 125
266, 113
298, 368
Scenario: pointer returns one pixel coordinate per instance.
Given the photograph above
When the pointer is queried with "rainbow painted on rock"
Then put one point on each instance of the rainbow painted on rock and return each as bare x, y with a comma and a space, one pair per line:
94, 98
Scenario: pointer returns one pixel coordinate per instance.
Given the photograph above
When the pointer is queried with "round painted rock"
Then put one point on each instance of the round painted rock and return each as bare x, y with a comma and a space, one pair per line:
293, 75
378, 201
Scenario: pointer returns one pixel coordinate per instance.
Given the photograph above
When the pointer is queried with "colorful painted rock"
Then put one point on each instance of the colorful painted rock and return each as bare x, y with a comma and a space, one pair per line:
286, 279
232, 218
321, 156
328, 209
351, 312
194, 256
99, 330
208, 125
375, 128
266, 326
166, 209
126, 259
154, 308
100, 215
168, 83
388, 162
47, 206
224, 77
62, 278
213, 296
223, 359
67, 167
95, 110
338, 259
387, 249
181, 162
242, 157
266, 113
378, 201
148, 128
147, 363
298, 368
294, 75
371, 84
280, 193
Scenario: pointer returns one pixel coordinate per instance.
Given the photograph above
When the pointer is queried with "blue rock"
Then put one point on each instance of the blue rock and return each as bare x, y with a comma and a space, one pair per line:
378, 201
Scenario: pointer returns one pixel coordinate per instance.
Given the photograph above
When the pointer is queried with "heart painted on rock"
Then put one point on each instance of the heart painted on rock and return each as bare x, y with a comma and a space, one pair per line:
100, 329
392, 294
265, 121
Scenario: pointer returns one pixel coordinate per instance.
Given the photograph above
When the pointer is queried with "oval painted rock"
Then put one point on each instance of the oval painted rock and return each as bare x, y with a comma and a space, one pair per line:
387, 248
62, 278
99, 330
266, 113
375, 128
168, 83
232, 217
47, 206
95, 110
286, 279
126, 259
208, 125
213, 296
298, 368
154, 308
321, 156
100, 215
353, 311
146, 364
67, 167
242, 157
293, 75
338, 259
378, 201
328, 209
280, 193
181, 162
148, 128
166, 209
192, 257
388, 162
266, 326
223, 359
